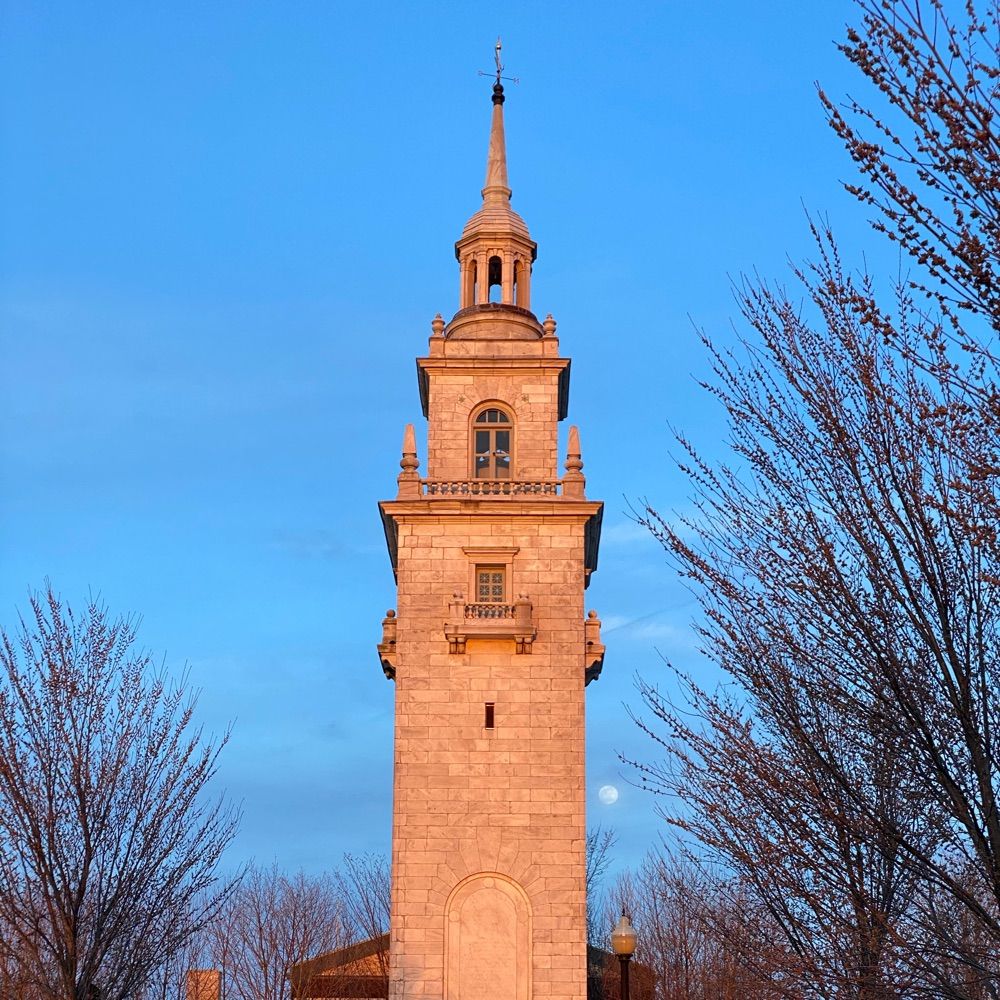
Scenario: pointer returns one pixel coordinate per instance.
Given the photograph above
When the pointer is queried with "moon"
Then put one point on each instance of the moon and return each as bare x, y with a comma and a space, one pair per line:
608, 795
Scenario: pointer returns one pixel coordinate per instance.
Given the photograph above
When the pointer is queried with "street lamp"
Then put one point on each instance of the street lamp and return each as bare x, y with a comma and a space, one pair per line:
623, 945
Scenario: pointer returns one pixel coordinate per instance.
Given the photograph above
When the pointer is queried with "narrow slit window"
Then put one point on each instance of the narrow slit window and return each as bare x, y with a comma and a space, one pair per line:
490, 716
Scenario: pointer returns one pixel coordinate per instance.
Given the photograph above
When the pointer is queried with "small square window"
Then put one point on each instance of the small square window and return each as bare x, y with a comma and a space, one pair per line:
491, 584
491, 578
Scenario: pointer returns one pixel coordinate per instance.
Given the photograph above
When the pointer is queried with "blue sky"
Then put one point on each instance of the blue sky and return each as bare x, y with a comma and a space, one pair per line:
224, 231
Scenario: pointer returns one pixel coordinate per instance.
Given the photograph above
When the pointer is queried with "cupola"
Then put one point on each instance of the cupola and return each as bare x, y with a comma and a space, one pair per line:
496, 251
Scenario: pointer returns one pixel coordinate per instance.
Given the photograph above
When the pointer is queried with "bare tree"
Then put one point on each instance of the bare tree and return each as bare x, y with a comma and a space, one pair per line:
18, 980
930, 159
699, 936
599, 845
169, 982
779, 845
108, 845
363, 884
275, 923
847, 561
851, 588
929, 165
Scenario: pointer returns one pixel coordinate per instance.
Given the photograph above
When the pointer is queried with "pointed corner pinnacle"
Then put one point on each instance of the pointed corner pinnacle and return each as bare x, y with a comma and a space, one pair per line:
573, 481
408, 480
409, 443
573, 444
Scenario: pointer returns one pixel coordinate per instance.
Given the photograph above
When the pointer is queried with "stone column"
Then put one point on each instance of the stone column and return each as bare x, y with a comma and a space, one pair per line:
507, 287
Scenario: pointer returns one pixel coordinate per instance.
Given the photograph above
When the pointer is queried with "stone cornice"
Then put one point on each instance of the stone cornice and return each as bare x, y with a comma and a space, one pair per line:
591, 512
479, 507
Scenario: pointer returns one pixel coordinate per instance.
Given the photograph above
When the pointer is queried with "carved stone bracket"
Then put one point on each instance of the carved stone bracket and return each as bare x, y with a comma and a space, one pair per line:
387, 647
593, 648
489, 621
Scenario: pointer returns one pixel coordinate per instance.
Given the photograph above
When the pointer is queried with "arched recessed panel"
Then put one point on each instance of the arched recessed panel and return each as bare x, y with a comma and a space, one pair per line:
488, 940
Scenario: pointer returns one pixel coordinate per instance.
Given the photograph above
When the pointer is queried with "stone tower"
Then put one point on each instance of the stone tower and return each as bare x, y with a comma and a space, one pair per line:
490, 647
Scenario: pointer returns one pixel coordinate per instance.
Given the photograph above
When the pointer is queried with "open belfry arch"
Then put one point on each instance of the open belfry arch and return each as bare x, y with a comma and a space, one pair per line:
489, 646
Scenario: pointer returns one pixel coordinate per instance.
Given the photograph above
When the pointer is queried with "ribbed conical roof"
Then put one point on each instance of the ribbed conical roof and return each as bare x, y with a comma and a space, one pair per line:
496, 215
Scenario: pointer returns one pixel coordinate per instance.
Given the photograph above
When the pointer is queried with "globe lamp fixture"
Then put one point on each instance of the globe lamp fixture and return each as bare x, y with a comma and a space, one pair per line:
623, 945
623, 938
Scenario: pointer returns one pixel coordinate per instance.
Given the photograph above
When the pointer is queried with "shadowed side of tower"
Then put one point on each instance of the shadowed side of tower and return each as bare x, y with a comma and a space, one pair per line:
489, 645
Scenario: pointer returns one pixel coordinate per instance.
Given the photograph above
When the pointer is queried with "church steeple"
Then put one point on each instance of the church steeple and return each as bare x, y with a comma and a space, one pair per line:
496, 251
490, 643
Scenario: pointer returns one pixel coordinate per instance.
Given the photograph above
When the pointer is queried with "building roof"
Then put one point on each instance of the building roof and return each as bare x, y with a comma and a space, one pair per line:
340, 959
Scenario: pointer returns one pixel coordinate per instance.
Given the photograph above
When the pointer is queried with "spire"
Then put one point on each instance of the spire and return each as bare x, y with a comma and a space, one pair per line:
497, 189
495, 251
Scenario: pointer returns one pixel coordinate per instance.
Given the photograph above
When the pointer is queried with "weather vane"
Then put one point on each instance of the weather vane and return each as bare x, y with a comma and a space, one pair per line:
499, 69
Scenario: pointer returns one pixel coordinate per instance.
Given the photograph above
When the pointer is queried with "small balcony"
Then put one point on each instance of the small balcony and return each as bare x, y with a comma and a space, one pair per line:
489, 621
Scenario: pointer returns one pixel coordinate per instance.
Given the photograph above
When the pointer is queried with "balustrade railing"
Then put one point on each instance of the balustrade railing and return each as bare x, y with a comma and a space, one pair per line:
491, 487
480, 611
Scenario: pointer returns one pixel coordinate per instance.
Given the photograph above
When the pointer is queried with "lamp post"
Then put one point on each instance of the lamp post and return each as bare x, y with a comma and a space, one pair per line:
623, 945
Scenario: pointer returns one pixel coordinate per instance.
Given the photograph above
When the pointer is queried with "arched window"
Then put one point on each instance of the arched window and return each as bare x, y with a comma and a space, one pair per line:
491, 444
495, 279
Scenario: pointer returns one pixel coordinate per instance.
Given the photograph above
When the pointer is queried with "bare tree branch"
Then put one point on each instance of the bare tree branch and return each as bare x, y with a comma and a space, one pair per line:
109, 846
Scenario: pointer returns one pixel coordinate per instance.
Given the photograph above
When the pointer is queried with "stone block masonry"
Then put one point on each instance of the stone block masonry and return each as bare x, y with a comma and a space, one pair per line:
489, 644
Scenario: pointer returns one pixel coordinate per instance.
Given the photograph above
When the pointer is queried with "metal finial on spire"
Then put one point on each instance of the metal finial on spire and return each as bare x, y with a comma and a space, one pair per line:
498, 86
